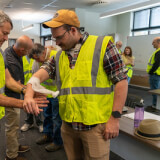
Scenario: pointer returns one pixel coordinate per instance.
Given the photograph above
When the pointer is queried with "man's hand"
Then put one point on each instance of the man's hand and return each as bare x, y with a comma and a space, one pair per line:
31, 105
112, 128
39, 95
42, 102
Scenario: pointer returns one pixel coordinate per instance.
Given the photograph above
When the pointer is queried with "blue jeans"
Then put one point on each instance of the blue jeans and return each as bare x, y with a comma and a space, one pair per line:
154, 81
52, 121
128, 79
30, 119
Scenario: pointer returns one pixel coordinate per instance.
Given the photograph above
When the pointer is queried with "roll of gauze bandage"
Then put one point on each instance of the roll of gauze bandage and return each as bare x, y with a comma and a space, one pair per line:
38, 88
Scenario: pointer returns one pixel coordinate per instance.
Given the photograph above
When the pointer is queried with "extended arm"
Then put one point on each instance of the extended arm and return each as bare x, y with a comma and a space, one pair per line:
29, 104
11, 83
17, 103
10, 102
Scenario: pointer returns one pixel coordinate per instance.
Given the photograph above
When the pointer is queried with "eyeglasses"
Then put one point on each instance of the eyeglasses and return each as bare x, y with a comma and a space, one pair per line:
59, 37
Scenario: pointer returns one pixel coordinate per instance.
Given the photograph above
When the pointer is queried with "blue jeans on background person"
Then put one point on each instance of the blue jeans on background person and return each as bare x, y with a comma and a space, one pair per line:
128, 79
154, 81
30, 119
52, 121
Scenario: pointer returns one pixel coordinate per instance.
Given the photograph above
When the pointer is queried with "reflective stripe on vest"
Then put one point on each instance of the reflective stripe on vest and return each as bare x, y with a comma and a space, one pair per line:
29, 71
91, 90
86, 90
49, 83
94, 72
57, 72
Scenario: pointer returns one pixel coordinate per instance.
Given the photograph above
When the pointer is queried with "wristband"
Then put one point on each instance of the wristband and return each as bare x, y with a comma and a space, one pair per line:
22, 90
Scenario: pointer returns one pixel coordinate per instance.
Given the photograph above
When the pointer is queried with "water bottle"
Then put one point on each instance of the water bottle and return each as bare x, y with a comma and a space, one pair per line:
139, 113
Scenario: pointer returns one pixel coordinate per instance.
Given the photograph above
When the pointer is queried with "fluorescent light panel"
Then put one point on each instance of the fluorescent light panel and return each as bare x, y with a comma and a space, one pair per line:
27, 28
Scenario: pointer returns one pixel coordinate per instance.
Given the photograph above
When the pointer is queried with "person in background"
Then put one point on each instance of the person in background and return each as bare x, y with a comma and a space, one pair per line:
119, 46
13, 60
27, 69
153, 70
85, 70
52, 121
128, 60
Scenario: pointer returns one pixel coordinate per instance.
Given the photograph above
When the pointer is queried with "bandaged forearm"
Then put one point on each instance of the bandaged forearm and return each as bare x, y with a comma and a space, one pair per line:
38, 88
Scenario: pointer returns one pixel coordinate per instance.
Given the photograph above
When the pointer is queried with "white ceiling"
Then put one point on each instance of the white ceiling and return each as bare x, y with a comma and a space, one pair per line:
41, 10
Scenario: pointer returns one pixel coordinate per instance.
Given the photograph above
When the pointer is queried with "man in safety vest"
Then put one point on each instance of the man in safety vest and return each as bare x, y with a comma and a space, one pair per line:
6, 78
153, 70
52, 121
85, 69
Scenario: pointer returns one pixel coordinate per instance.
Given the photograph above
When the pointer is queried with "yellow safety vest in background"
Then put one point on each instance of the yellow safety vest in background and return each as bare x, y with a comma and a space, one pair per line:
120, 52
129, 67
130, 70
86, 93
50, 83
151, 62
27, 69
2, 83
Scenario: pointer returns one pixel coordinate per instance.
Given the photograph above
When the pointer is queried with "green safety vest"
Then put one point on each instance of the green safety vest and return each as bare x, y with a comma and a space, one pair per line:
120, 52
86, 93
27, 69
151, 62
50, 83
130, 70
2, 83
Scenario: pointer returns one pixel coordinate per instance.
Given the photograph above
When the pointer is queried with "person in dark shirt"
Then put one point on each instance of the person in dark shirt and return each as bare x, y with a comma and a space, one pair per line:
5, 27
6, 80
14, 65
153, 69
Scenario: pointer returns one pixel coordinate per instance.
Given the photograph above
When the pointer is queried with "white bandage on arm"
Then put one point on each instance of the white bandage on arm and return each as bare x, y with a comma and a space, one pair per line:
34, 80
38, 88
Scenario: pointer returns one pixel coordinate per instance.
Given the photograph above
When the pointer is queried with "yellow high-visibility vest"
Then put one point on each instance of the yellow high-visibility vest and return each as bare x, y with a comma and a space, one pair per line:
2, 83
130, 70
86, 93
151, 62
27, 69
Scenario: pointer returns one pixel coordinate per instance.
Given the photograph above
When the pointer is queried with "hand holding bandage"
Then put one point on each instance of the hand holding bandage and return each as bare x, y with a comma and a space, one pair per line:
38, 88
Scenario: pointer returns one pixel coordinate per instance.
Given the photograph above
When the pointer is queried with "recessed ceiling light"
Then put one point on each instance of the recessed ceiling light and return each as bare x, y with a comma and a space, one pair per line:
27, 3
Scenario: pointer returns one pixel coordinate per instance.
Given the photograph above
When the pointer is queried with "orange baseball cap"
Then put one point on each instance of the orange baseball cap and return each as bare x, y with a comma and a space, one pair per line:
62, 17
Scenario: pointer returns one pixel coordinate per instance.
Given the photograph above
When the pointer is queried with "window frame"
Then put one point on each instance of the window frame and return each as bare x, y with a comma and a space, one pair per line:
145, 28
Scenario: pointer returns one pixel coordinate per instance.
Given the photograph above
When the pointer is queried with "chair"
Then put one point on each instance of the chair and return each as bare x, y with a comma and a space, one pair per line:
132, 100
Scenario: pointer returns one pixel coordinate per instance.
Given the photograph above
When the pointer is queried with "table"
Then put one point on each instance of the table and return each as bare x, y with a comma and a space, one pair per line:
157, 92
131, 147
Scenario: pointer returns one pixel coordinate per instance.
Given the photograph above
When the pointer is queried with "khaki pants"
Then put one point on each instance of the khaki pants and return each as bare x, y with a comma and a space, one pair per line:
85, 145
11, 130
